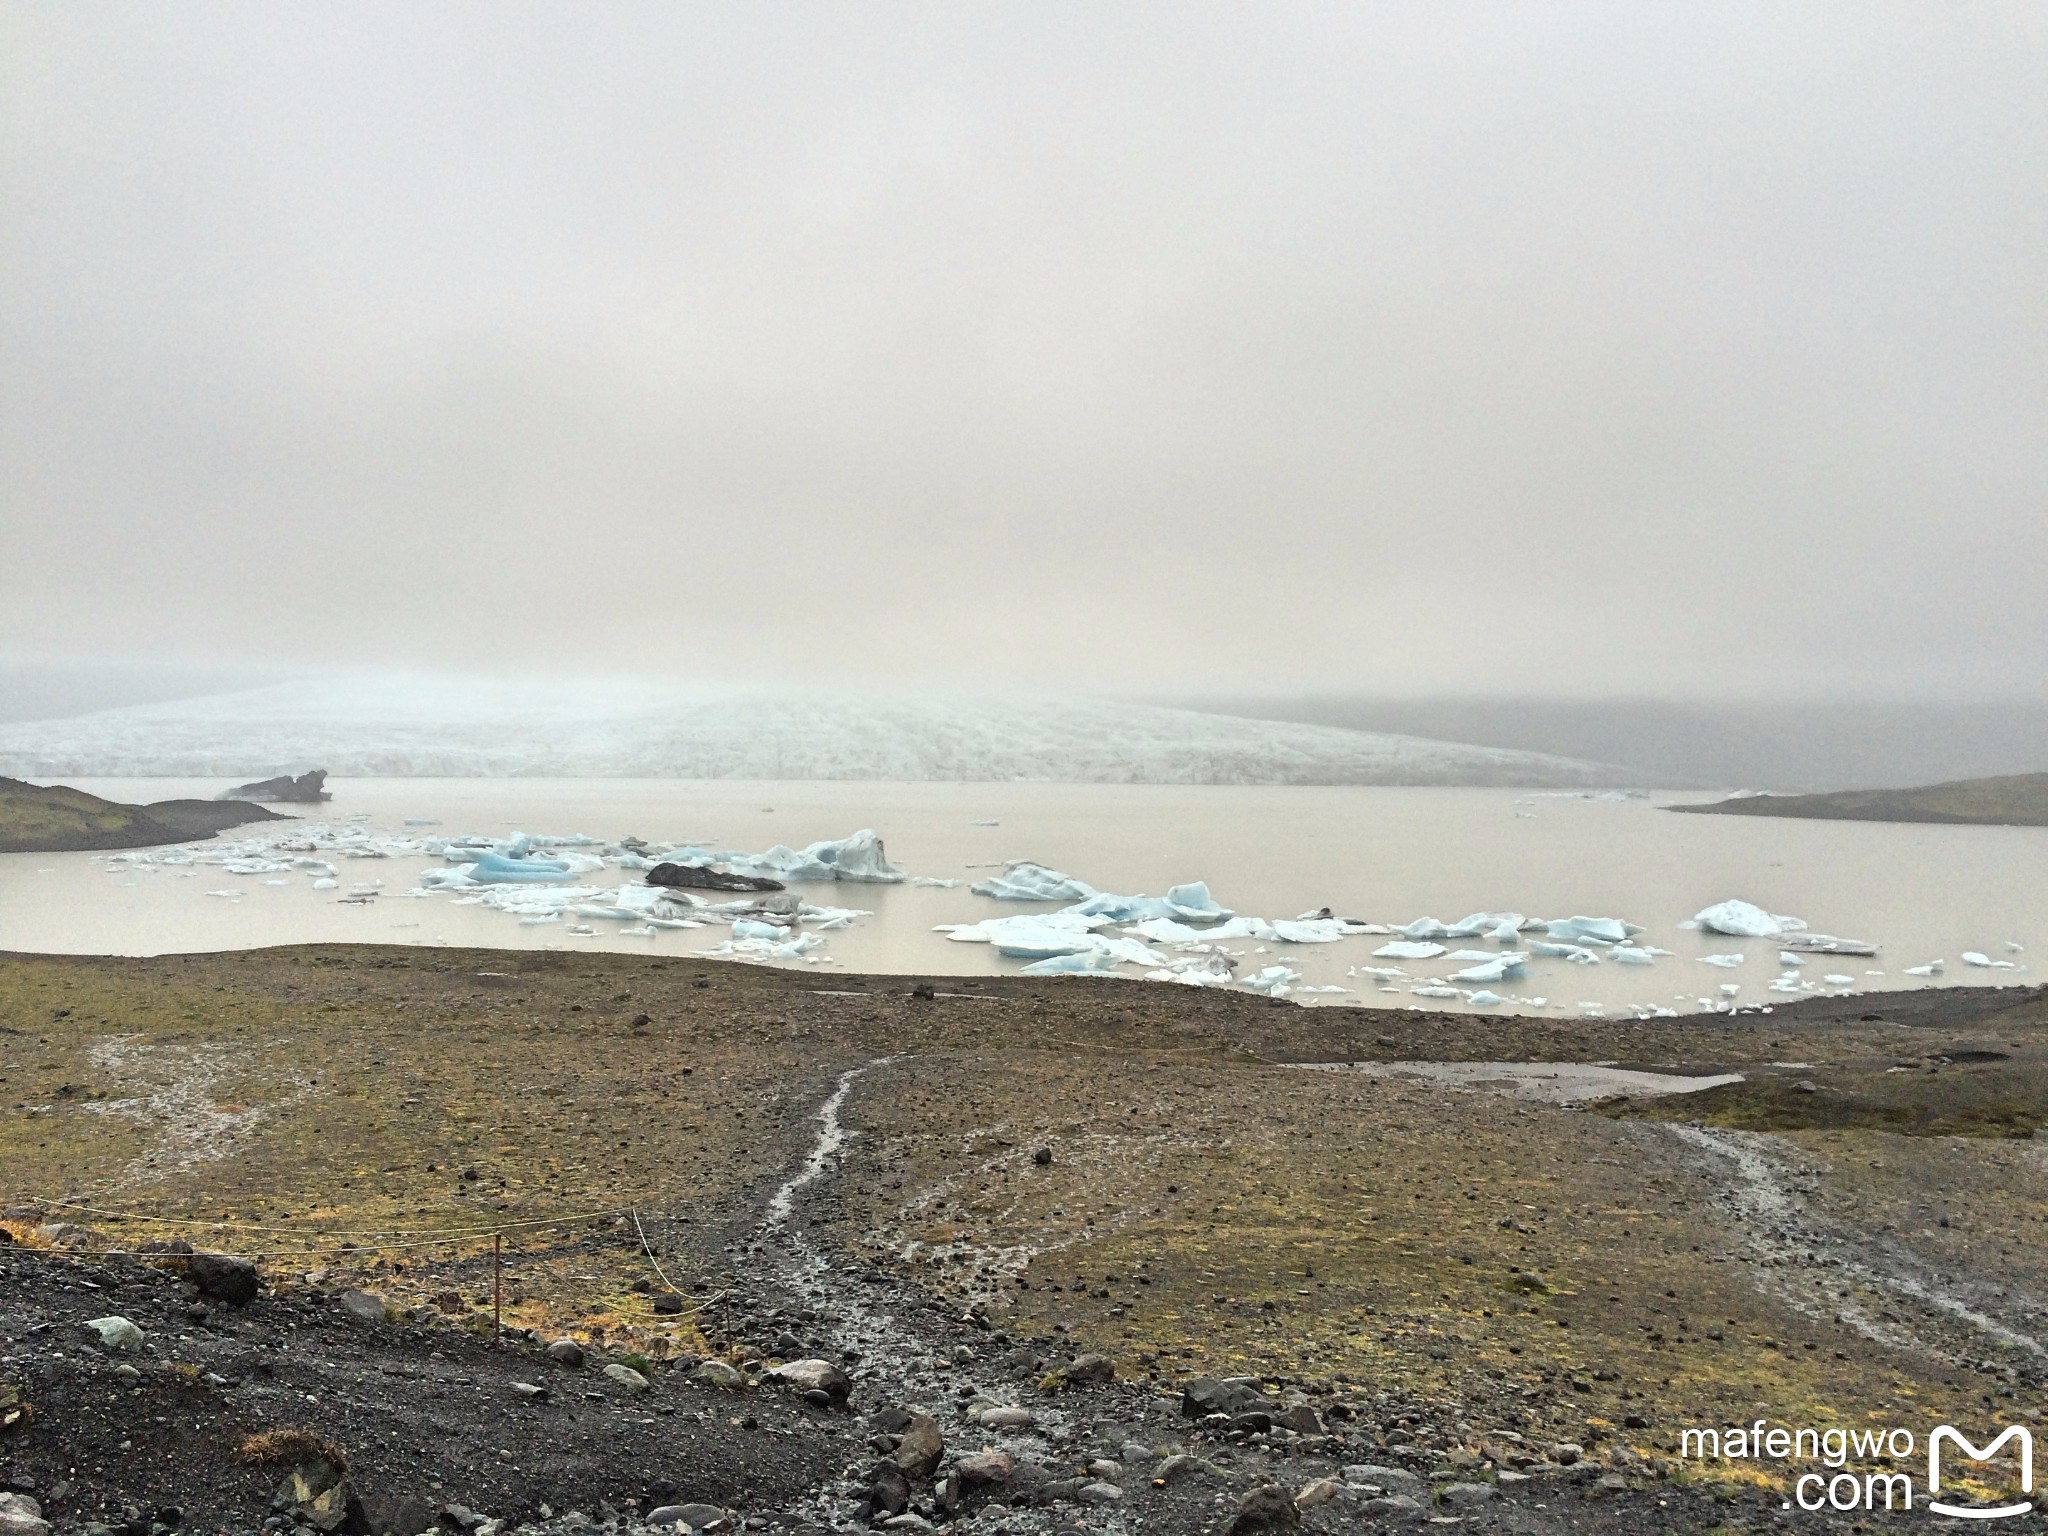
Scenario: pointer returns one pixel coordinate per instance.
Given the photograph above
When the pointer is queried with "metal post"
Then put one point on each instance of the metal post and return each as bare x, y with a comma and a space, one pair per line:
497, 1290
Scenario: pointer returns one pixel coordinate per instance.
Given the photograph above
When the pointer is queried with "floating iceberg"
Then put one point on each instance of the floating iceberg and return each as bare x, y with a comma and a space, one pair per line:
1025, 881
1972, 957
1274, 980
1435, 989
508, 869
1190, 903
1593, 930
1633, 954
1578, 954
1826, 944
1499, 968
1838, 980
1742, 920
1788, 959
1931, 968
1491, 924
1326, 930
1483, 999
1408, 949
1086, 962
1721, 960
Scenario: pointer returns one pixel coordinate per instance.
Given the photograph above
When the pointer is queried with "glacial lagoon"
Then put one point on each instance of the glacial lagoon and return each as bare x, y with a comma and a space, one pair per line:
1382, 856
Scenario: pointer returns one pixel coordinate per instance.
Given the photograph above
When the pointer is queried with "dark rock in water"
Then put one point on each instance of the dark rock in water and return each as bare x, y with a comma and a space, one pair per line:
1206, 1395
223, 1277
1264, 1509
309, 788
703, 878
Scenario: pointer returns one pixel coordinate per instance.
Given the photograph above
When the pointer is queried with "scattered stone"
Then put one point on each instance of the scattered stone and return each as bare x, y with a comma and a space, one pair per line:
1383, 1477
890, 1492
566, 1352
315, 1494
1006, 1417
1089, 1371
696, 1516
668, 1304
21, 1515
715, 1373
809, 1376
628, 1378
1099, 1493
921, 1446
364, 1307
531, 1391
1175, 1467
223, 1277
1397, 1506
984, 1472
117, 1333
1264, 1509
1301, 1418
1319, 1492
1465, 1495
1235, 1395
1567, 1453
787, 1346
1042, 1157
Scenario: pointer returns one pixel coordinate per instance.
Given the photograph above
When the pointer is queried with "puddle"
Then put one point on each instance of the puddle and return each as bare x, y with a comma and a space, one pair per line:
1552, 1082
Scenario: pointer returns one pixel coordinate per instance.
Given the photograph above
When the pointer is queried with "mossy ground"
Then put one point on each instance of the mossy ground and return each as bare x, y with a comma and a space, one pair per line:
1204, 1210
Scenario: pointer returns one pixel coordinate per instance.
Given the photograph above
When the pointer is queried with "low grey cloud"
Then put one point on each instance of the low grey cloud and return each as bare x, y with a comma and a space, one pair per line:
1571, 349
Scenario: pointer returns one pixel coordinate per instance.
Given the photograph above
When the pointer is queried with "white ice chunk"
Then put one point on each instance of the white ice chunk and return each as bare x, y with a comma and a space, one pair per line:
1931, 968
1274, 980
1742, 919
1723, 960
1787, 958
1973, 957
1835, 979
1595, 930
1320, 931
1499, 968
1483, 999
1407, 949
1087, 962
1023, 880
1435, 989
1578, 954
1633, 954
1424, 928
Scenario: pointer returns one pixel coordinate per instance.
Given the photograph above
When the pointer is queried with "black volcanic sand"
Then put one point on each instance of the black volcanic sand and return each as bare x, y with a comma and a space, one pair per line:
1463, 1286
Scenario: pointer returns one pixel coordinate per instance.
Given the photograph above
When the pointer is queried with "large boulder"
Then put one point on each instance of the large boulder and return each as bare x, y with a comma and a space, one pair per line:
1233, 1395
223, 1277
814, 1376
1262, 1510
919, 1446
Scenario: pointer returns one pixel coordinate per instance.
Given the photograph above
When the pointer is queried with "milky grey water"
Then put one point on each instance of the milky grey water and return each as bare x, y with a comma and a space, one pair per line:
1381, 855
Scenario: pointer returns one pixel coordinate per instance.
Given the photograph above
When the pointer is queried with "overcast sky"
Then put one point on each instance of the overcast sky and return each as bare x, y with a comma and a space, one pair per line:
1575, 349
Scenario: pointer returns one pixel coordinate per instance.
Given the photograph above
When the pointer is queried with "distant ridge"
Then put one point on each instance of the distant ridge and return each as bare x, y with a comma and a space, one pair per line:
439, 728
2010, 800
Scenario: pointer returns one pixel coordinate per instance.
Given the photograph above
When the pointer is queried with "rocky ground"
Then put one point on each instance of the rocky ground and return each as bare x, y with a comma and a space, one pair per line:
1008, 1256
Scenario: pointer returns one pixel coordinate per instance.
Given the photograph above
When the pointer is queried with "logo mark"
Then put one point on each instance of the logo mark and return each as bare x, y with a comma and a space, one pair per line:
1984, 1453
